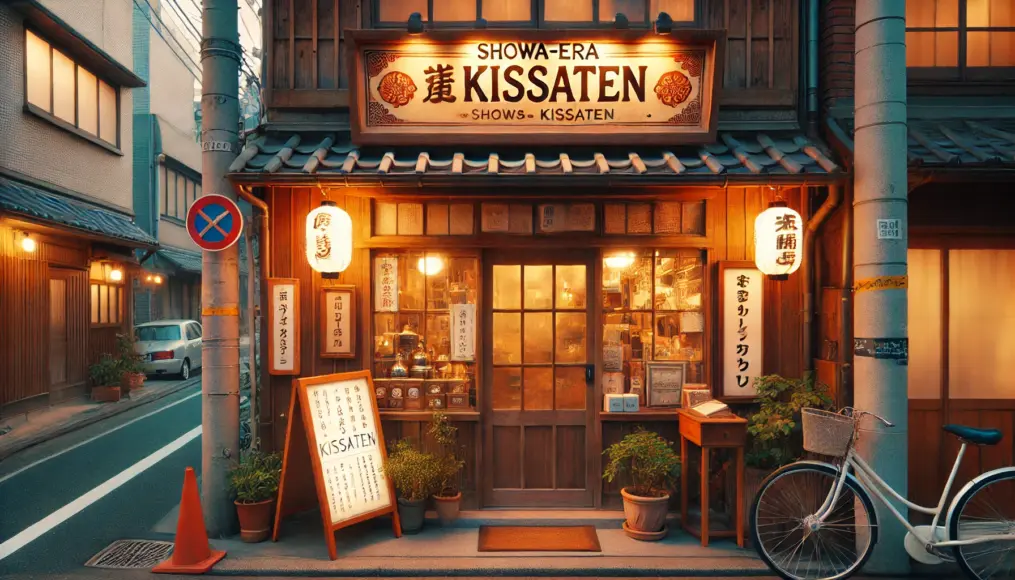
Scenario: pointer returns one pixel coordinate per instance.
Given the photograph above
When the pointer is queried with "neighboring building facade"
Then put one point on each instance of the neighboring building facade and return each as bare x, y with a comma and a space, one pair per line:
167, 165
604, 247
67, 231
961, 263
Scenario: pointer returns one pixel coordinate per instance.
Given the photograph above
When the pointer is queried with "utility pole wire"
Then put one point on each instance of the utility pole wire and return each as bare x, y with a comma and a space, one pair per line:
163, 25
159, 32
186, 19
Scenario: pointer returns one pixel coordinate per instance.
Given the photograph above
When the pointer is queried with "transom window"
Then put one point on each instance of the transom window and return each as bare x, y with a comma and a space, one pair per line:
538, 13
60, 90
955, 36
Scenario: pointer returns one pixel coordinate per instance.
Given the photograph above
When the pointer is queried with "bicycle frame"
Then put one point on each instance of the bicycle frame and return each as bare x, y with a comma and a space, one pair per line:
871, 482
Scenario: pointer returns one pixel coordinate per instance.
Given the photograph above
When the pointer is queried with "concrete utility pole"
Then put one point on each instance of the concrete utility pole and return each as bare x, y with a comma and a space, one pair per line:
880, 239
220, 282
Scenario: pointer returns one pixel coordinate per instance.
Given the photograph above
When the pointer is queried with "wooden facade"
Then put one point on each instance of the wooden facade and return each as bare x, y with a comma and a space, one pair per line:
729, 220
48, 339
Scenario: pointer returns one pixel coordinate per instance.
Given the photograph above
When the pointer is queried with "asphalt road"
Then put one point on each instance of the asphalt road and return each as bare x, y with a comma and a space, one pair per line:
60, 503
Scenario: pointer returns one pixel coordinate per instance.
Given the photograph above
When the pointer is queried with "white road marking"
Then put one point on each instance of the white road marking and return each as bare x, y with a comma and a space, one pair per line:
68, 511
103, 434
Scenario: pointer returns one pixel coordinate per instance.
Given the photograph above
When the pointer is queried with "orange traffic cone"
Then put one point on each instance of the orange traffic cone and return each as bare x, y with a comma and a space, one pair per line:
191, 552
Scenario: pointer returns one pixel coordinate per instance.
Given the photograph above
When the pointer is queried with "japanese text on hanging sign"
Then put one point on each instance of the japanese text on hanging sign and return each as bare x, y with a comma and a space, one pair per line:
743, 334
463, 332
284, 297
338, 338
386, 280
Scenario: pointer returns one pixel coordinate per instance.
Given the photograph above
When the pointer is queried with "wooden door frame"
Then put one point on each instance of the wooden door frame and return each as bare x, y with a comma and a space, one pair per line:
590, 496
64, 274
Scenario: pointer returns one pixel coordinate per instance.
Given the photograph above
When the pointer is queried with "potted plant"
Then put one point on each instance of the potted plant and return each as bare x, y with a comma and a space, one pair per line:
131, 366
416, 476
774, 431
105, 378
448, 494
653, 468
255, 482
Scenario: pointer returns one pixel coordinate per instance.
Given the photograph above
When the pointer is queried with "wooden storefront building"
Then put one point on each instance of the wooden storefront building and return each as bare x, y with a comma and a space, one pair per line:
578, 226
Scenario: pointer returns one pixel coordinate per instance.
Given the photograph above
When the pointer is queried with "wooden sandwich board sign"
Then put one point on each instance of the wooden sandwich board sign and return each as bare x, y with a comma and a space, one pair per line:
335, 431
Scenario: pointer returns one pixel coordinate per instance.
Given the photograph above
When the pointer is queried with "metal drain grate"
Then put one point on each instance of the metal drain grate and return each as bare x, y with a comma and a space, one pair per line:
129, 554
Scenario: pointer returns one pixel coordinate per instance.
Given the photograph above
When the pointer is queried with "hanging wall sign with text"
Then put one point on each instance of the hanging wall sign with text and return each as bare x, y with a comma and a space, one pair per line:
338, 324
511, 86
463, 332
741, 329
284, 325
335, 418
386, 284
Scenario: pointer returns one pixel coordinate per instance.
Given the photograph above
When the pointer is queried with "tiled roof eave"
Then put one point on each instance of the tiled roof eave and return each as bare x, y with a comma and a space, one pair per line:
523, 179
150, 243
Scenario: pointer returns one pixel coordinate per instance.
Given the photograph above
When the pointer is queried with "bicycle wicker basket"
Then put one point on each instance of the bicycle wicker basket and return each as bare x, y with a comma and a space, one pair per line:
826, 433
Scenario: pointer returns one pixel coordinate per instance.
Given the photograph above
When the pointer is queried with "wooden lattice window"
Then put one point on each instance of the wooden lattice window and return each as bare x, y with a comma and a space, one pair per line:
960, 39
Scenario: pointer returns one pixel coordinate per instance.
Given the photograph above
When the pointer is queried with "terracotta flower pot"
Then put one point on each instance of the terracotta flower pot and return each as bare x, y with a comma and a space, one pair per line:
255, 520
107, 394
132, 381
411, 514
448, 508
645, 517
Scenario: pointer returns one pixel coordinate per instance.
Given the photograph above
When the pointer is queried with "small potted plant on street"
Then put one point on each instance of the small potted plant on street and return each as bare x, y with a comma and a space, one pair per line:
774, 431
415, 475
653, 468
448, 494
105, 378
255, 483
131, 363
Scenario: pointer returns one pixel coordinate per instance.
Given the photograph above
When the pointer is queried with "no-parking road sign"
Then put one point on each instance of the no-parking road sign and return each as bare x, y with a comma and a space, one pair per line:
214, 222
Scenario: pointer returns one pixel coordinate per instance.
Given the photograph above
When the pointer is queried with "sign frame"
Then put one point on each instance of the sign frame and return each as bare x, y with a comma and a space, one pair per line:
300, 397
349, 290
720, 390
231, 208
712, 41
295, 282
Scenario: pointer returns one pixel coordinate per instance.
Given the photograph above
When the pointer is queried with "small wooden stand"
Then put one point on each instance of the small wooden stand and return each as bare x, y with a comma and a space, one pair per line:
728, 431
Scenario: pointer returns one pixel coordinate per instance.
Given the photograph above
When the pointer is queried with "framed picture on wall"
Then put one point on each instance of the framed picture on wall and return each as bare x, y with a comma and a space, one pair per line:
338, 324
664, 383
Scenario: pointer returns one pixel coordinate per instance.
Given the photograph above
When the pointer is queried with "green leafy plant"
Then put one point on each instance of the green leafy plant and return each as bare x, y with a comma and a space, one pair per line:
648, 459
445, 434
415, 474
256, 478
127, 356
774, 430
106, 372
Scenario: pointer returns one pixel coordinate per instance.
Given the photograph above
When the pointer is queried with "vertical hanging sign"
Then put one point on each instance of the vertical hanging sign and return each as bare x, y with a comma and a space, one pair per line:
284, 322
742, 337
463, 332
338, 328
386, 284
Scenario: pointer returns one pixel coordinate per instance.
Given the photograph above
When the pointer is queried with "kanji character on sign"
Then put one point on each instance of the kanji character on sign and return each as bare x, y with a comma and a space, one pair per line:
743, 281
742, 310
785, 222
786, 259
742, 349
439, 83
742, 365
785, 242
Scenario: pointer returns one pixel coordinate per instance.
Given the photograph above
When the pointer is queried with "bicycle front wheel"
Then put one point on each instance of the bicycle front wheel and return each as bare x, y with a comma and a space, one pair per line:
986, 511
791, 540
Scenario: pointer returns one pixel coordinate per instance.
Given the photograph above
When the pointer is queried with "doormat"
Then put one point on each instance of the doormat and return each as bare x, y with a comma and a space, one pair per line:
131, 554
538, 539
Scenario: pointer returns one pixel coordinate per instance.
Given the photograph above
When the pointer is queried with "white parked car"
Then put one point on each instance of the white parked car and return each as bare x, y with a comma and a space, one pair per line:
169, 347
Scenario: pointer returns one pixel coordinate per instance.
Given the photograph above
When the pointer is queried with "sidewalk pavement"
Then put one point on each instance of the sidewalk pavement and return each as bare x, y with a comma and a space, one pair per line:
28, 429
370, 549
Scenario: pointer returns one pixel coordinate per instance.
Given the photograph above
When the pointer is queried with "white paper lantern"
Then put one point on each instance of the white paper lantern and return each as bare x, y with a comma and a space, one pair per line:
329, 239
778, 241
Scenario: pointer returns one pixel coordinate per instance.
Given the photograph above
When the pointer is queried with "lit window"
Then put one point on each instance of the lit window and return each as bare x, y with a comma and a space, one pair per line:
57, 87
936, 35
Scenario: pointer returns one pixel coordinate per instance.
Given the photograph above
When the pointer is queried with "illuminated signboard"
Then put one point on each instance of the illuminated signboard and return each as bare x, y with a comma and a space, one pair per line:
534, 87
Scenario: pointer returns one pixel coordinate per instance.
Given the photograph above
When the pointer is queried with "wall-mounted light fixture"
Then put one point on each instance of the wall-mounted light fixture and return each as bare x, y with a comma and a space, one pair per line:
620, 21
619, 261
430, 265
664, 23
157, 279
115, 275
481, 23
415, 23
28, 243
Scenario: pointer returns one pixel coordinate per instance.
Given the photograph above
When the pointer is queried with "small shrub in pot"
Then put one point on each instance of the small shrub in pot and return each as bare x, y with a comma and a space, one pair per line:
105, 379
415, 475
255, 483
652, 467
448, 494
131, 363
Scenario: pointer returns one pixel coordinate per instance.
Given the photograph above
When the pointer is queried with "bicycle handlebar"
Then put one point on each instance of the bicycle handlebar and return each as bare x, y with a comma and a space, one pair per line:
850, 411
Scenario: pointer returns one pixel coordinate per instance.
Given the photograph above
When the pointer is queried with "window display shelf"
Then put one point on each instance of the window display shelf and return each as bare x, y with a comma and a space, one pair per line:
399, 415
643, 414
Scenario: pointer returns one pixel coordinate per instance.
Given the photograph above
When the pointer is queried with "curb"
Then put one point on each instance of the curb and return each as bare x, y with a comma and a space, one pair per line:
86, 419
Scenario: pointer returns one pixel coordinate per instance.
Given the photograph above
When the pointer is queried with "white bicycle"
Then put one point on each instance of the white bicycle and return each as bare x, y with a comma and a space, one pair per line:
813, 519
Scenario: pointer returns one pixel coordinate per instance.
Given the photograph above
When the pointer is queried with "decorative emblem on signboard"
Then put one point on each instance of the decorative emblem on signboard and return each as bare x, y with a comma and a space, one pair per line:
397, 89
673, 88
